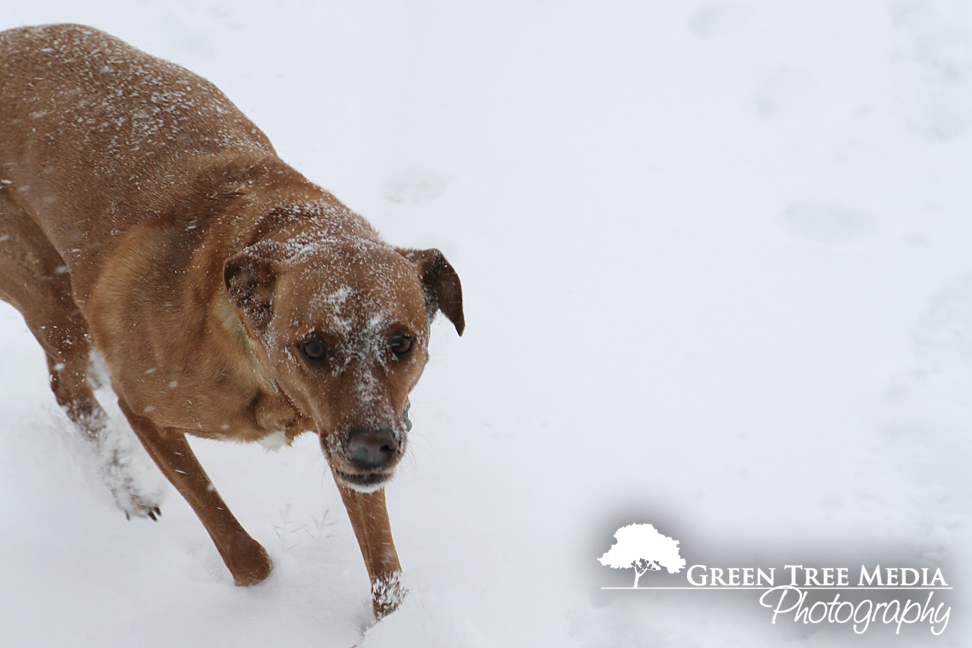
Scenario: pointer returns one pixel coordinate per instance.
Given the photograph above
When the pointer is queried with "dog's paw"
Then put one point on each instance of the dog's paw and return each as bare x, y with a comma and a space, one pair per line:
132, 505
128, 496
387, 593
128, 472
248, 562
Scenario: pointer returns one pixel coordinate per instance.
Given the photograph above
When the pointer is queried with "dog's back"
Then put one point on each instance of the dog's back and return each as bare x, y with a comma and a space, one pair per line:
113, 132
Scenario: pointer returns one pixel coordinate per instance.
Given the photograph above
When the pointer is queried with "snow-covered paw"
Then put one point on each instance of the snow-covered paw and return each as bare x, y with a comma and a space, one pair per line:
125, 468
134, 504
128, 496
387, 593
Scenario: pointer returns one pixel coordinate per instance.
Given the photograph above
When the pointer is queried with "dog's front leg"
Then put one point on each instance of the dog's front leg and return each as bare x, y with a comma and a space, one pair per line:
369, 517
245, 558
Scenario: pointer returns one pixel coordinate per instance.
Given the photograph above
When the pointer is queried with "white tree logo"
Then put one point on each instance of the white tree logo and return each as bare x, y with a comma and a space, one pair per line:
642, 547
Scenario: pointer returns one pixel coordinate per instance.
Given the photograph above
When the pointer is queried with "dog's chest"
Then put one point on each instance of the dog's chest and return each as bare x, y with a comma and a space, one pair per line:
269, 418
273, 414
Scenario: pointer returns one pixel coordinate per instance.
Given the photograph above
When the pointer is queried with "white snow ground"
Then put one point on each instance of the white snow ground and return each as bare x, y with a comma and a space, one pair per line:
717, 263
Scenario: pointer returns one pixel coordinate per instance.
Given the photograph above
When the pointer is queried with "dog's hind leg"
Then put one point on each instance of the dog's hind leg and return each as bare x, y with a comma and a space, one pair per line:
245, 558
35, 280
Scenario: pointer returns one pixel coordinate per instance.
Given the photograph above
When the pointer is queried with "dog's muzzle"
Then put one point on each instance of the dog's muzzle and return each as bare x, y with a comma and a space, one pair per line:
371, 454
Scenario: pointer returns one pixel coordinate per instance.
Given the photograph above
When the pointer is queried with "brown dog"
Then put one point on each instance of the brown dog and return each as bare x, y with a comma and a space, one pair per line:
142, 214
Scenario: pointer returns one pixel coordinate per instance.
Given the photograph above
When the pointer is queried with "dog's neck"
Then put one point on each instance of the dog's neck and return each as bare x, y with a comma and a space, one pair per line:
288, 220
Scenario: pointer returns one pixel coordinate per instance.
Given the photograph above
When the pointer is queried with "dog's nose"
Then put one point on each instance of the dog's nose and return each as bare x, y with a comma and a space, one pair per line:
371, 449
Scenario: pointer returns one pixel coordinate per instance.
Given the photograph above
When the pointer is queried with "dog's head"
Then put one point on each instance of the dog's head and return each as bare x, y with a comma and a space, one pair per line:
342, 326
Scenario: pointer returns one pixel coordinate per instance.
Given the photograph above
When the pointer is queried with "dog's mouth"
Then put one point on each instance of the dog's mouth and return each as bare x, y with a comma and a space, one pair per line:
364, 482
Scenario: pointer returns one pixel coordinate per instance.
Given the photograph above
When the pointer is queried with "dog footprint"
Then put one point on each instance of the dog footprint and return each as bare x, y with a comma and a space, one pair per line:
934, 54
414, 185
716, 20
785, 89
945, 332
826, 224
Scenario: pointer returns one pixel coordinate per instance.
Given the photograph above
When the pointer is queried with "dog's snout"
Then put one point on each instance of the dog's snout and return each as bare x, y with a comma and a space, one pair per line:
371, 449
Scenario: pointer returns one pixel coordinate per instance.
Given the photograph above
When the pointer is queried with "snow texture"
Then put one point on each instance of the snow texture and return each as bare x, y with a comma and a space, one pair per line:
717, 275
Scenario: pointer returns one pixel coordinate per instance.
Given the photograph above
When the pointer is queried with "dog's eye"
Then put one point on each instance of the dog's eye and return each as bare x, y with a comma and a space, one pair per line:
401, 345
314, 349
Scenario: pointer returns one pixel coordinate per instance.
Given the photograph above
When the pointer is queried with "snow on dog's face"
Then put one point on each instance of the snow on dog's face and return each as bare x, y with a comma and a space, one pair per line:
344, 326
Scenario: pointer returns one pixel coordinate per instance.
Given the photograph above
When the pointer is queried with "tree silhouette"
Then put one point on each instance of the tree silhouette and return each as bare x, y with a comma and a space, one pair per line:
641, 547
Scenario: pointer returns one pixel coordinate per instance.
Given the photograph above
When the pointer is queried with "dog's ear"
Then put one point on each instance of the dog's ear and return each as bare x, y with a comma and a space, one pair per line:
249, 280
443, 292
